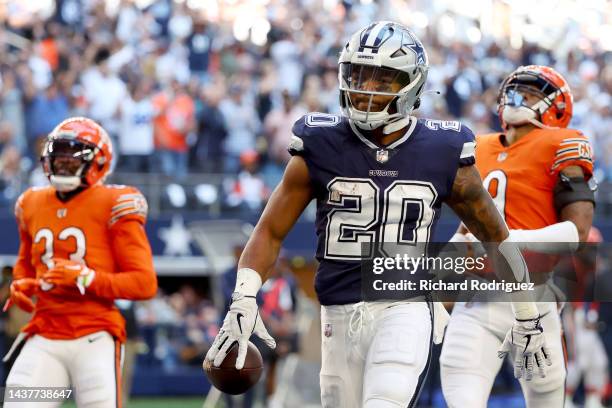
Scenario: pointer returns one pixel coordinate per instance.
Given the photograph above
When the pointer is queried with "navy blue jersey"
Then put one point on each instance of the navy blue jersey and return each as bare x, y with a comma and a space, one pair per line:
366, 194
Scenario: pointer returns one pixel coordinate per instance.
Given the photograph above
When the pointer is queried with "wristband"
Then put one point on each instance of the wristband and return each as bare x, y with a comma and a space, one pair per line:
248, 282
523, 306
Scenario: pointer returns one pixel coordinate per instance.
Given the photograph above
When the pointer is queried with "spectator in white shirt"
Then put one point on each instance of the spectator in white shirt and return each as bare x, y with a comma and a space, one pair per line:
104, 91
242, 126
136, 145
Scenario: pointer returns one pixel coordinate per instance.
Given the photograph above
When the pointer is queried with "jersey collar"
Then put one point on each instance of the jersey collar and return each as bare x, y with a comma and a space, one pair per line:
372, 145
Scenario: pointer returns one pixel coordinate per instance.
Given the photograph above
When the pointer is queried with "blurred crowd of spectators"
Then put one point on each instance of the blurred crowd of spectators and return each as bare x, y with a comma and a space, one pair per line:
178, 328
180, 94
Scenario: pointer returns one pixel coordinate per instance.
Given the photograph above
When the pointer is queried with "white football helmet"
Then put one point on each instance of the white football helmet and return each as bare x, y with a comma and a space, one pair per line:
384, 58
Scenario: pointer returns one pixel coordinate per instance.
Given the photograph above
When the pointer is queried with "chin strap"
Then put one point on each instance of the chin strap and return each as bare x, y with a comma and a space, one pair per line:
65, 184
397, 125
539, 124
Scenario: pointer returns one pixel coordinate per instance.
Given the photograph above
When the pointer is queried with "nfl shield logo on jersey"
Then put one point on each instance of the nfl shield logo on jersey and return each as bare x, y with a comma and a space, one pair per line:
382, 156
327, 331
61, 213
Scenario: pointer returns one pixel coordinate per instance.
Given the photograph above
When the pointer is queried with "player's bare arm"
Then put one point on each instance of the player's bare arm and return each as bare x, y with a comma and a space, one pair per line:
574, 199
578, 212
286, 204
474, 206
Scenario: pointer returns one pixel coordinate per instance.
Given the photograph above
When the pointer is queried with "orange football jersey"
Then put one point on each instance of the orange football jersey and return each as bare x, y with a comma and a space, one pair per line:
521, 177
102, 226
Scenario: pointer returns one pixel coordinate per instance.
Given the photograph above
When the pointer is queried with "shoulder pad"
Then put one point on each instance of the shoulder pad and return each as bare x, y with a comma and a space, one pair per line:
128, 203
486, 137
467, 157
28, 201
457, 135
19, 209
311, 129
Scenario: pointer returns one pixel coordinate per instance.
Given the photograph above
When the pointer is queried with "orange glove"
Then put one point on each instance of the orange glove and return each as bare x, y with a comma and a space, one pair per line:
69, 273
21, 292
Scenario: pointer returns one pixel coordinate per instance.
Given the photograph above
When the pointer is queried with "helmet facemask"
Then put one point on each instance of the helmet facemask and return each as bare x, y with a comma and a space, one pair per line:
374, 96
66, 161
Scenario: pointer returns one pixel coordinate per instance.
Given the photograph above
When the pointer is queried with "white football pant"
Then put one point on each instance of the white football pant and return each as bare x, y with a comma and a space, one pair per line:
469, 362
589, 359
375, 354
90, 365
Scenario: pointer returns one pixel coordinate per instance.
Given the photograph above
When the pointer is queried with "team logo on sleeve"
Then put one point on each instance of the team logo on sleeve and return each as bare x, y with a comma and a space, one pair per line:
126, 204
585, 150
575, 149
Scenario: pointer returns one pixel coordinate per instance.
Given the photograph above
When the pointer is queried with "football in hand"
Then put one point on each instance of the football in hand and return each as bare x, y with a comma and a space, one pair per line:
231, 381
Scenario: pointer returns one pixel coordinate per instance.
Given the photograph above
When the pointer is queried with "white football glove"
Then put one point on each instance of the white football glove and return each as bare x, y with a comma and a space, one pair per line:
241, 321
526, 340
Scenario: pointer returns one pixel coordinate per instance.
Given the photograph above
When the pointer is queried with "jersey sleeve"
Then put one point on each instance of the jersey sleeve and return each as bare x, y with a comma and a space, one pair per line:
313, 136
128, 204
299, 144
572, 149
467, 154
23, 266
135, 277
317, 138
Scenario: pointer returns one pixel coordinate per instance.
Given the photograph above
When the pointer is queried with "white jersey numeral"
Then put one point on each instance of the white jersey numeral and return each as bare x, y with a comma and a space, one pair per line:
496, 184
71, 232
352, 223
348, 225
435, 124
398, 235
318, 119
47, 235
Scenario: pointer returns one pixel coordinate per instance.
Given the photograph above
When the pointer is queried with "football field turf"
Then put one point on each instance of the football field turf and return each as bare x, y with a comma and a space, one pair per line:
159, 402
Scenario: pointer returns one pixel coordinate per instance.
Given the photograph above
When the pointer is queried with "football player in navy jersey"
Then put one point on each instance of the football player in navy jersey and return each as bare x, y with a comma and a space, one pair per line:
379, 177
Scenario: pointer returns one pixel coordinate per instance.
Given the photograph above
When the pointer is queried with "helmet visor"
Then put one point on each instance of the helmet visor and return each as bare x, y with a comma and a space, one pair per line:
373, 80
67, 157
526, 89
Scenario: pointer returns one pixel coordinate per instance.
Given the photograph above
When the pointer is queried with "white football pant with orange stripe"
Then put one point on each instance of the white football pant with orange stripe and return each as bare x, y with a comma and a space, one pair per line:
469, 362
90, 365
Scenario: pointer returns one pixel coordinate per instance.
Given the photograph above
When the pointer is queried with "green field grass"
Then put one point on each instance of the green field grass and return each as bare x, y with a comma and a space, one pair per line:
160, 402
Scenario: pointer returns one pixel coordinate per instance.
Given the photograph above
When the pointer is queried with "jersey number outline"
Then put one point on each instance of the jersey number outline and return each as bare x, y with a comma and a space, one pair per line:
499, 189
70, 232
348, 228
435, 124
319, 119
